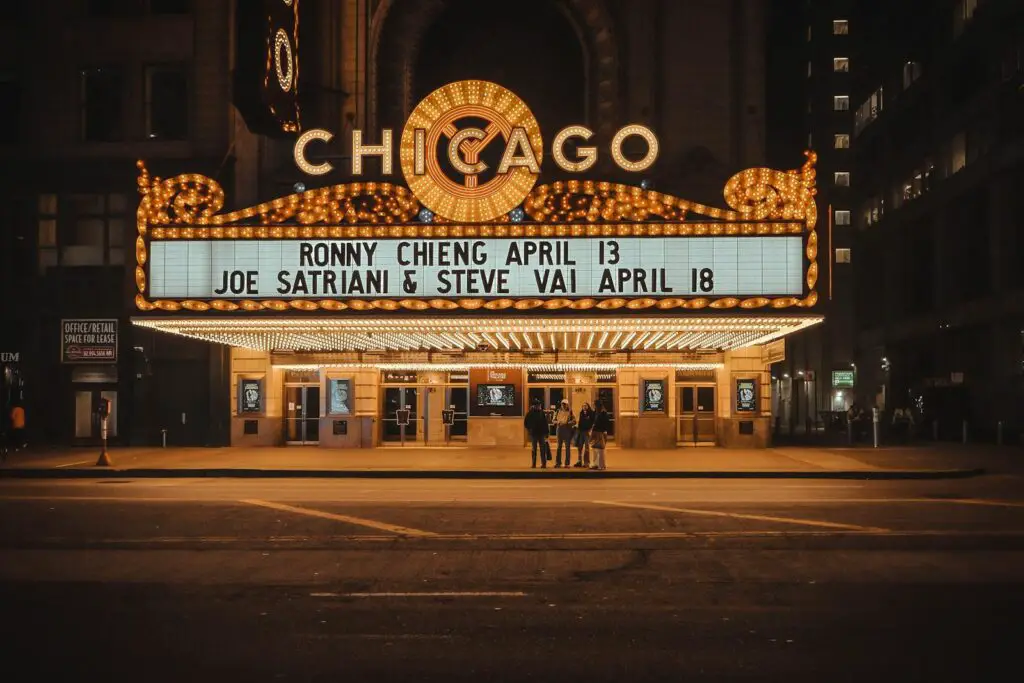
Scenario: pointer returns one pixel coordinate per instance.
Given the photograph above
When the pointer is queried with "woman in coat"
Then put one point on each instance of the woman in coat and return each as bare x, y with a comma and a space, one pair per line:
582, 439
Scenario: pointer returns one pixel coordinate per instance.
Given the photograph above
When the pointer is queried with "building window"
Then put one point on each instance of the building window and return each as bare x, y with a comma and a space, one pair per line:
842, 141
809, 69
842, 178
841, 64
134, 8
841, 103
958, 153
808, 34
842, 255
102, 102
82, 230
963, 12
10, 109
868, 111
166, 103
840, 27
911, 72
46, 239
170, 6
810, 141
842, 217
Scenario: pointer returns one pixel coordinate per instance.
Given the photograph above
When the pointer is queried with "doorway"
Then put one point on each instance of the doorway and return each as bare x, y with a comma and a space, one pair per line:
401, 415
302, 414
549, 398
696, 414
457, 399
87, 414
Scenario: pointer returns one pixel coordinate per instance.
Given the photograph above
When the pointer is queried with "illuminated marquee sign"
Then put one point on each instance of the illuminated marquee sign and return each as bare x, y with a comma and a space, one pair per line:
267, 66
489, 239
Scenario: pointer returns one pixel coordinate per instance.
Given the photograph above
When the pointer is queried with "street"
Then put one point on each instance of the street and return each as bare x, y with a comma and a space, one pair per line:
328, 580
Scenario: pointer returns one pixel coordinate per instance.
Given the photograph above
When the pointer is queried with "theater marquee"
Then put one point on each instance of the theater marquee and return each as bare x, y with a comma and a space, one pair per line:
494, 241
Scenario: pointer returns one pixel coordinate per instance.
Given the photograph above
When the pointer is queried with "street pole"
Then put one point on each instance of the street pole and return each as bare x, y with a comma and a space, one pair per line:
104, 460
875, 424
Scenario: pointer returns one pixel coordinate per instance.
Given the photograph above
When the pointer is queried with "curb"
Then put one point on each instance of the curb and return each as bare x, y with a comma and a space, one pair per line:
250, 473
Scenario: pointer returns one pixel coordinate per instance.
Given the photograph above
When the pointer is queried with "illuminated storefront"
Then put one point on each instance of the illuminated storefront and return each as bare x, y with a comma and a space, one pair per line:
368, 314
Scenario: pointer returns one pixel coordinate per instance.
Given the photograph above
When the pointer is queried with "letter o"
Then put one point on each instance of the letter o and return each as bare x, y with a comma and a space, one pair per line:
652, 148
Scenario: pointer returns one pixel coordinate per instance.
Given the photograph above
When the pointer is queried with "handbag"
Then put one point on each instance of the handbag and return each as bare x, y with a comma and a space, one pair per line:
598, 440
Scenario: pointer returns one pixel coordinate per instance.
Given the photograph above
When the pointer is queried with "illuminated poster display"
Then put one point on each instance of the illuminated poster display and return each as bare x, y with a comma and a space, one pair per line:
746, 396
655, 397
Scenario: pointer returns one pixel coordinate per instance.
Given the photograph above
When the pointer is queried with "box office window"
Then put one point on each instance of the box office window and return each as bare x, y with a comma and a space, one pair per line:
102, 98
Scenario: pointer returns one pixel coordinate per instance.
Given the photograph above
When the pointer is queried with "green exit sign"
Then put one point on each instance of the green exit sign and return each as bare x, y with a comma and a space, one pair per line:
842, 378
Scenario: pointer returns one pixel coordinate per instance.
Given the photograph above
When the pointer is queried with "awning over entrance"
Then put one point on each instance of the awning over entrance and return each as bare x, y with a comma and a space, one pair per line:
677, 334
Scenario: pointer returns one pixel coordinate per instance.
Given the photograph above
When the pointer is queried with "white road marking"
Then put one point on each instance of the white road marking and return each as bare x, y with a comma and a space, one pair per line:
72, 464
358, 521
740, 515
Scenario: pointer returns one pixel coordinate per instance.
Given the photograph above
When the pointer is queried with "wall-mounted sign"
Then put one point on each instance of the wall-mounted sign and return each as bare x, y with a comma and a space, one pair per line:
448, 417
458, 377
495, 392
843, 378
486, 268
471, 154
10, 356
339, 396
267, 66
654, 398
746, 396
88, 341
250, 395
402, 416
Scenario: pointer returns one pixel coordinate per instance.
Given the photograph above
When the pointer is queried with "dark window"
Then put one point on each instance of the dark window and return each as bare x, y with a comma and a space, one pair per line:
10, 110
102, 93
166, 103
113, 8
170, 6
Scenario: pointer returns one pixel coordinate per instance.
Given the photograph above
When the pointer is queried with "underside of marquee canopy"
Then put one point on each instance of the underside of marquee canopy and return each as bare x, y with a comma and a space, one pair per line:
541, 335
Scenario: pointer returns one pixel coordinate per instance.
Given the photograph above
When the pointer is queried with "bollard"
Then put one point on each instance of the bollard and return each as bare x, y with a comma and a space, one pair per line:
875, 424
965, 431
849, 432
999, 433
104, 460
163, 437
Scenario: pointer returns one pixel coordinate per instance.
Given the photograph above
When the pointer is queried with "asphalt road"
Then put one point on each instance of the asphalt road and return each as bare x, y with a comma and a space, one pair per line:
297, 580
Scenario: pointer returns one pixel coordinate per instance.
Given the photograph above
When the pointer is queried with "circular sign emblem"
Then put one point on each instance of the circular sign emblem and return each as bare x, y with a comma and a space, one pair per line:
448, 137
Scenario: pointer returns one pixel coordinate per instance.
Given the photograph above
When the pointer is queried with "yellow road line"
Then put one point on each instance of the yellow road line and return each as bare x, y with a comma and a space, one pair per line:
358, 521
981, 501
740, 515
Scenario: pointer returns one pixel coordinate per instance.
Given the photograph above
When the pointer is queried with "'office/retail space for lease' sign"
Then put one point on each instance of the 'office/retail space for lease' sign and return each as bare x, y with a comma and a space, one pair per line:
495, 268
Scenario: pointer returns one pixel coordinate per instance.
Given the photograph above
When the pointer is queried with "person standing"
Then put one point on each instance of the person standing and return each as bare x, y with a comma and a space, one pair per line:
18, 440
565, 423
536, 424
586, 423
599, 436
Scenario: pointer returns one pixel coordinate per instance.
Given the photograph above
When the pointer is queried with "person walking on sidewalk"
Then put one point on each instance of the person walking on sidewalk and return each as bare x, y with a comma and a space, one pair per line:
18, 440
586, 423
599, 436
565, 424
536, 424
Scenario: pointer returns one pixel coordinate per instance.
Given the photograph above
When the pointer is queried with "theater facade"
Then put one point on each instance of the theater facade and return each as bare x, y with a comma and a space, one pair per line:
435, 309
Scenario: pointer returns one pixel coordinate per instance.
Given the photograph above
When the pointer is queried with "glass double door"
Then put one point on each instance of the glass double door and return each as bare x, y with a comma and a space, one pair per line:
415, 414
551, 397
302, 414
696, 409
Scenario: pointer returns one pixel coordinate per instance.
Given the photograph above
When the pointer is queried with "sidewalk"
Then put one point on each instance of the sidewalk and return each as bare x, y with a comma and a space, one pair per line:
810, 463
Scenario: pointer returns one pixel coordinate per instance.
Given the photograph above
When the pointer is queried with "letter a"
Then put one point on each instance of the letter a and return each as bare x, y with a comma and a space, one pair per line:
518, 140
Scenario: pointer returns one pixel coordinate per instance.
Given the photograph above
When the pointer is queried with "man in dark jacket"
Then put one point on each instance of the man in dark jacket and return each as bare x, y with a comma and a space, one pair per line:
536, 424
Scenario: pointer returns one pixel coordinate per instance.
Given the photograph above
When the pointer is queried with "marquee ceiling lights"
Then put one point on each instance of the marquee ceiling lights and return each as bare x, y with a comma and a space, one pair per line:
455, 367
653, 335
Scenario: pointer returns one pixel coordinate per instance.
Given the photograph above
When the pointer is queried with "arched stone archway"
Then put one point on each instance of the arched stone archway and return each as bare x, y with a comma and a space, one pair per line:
397, 31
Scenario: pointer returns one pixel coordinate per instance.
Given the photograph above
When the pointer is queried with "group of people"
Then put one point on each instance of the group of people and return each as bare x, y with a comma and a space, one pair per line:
586, 434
